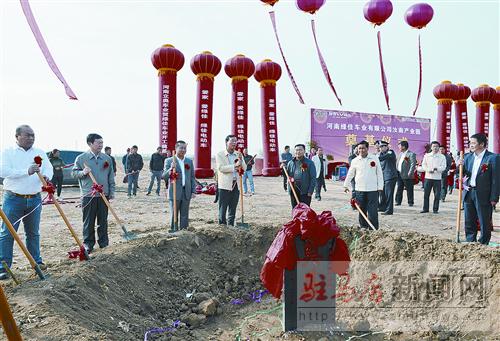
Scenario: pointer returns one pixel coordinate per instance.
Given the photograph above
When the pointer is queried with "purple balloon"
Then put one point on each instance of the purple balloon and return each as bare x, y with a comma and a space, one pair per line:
310, 6
419, 15
377, 11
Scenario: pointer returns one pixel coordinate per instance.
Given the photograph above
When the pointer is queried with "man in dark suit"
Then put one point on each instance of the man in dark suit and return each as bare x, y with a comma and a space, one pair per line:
406, 164
387, 159
302, 172
185, 185
482, 170
444, 175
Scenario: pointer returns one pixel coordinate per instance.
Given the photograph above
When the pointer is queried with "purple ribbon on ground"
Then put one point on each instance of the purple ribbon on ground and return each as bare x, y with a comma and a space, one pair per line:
323, 63
255, 296
294, 84
43, 46
382, 71
175, 325
420, 76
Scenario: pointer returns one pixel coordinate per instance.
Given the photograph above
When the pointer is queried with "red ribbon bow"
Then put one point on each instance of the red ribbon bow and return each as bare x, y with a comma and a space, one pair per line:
106, 165
80, 253
354, 202
96, 188
173, 175
49, 188
38, 160
373, 164
241, 171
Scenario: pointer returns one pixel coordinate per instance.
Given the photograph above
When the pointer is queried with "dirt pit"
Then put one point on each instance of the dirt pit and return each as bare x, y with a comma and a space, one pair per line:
198, 285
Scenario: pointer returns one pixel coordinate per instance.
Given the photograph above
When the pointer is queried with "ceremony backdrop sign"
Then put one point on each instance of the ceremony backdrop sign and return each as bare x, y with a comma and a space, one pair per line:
336, 131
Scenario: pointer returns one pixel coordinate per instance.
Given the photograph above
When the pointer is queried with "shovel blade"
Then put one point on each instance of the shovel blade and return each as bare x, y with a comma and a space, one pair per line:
243, 225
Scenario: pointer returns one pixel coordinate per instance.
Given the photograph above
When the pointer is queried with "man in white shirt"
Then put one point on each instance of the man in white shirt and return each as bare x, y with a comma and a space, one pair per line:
185, 185
321, 165
482, 169
365, 169
21, 199
433, 164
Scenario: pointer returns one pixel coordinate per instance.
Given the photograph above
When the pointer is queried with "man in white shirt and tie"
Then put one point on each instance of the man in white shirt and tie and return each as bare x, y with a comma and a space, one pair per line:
365, 169
482, 170
433, 164
21, 198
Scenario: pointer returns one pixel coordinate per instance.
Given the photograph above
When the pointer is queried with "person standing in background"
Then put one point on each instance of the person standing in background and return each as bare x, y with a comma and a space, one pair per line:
134, 166
321, 166
285, 158
156, 169
249, 160
444, 175
58, 166
406, 165
124, 161
107, 151
434, 164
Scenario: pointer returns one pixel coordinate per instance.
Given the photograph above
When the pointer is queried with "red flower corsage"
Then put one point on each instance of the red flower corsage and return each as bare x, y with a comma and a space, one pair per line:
407, 158
186, 166
484, 168
106, 165
373, 164
38, 160
304, 166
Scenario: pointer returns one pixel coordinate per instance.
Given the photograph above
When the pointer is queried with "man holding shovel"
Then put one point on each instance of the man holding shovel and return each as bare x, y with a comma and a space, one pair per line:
302, 173
185, 188
365, 169
93, 206
22, 199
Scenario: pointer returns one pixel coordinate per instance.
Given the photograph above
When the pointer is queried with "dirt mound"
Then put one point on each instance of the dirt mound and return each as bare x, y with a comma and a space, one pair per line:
189, 283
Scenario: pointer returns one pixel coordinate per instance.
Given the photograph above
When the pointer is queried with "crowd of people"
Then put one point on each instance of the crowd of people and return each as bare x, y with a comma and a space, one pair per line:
372, 178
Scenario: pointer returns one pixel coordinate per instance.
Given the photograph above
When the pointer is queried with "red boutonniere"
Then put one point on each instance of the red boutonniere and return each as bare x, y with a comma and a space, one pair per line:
106, 165
241, 171
186, 166
304, 166
373, 164
484, 168
407, 158
38, 160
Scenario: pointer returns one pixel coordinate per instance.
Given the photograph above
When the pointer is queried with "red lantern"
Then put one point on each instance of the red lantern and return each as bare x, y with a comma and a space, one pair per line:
288, 70
496, 121
312, 6
240, 68
267, 74
205, 66
418, 16
483, 95
167, 60
377, 12
461, 121
444, 93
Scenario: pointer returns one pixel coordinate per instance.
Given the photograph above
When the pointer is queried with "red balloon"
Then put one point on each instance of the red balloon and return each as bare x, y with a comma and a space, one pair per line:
445, 91
167, 57
483, 93
419, 15
239, 66
269, 2
463, 92
377, 11
310, 6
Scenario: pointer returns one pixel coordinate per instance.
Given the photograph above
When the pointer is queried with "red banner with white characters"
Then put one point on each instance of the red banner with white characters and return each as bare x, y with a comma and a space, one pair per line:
269, 131
483, 117
443, 130
203, 132
239, 118
461, 124
168, 110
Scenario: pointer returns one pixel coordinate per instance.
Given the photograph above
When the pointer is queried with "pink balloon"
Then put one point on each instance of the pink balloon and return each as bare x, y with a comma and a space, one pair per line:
310, 6
419, 15
377, 11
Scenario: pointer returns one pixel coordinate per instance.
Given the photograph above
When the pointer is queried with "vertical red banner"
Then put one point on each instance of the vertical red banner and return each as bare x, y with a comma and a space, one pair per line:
267, 73
496, 121
461, 119
168, 61
240, 68
205, 66
483, 95
444, 93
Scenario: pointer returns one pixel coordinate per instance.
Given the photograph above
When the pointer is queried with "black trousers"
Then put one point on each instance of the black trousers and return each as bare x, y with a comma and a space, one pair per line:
320, 184
435, 186
474, 210
285, 181
228, 202
304, 198
444, 186
95, 208
403, 184
57, 180
388, 204
368, 202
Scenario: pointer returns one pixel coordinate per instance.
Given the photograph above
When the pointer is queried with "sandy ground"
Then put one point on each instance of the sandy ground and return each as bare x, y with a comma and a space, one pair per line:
147, 216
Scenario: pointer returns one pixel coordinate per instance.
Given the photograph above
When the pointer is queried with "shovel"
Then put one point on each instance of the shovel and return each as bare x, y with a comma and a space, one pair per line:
14, 234
290, 183
460, 189
355, 204
68, 224
174, 192
242, 224
8, 322
126, 235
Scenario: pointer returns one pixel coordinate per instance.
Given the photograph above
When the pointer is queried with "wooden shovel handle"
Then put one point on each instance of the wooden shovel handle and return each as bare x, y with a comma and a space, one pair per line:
364, 216
291, 185
63, 215
8, 322
241, 195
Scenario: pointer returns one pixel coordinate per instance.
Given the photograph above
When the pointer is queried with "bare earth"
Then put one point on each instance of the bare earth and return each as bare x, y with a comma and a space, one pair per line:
134, 286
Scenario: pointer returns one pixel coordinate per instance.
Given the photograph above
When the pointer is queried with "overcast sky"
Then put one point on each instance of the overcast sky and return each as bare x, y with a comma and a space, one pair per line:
103, 49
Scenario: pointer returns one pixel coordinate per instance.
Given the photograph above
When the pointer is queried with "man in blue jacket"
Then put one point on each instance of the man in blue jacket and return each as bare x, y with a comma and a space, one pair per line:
303, 174
481, 168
